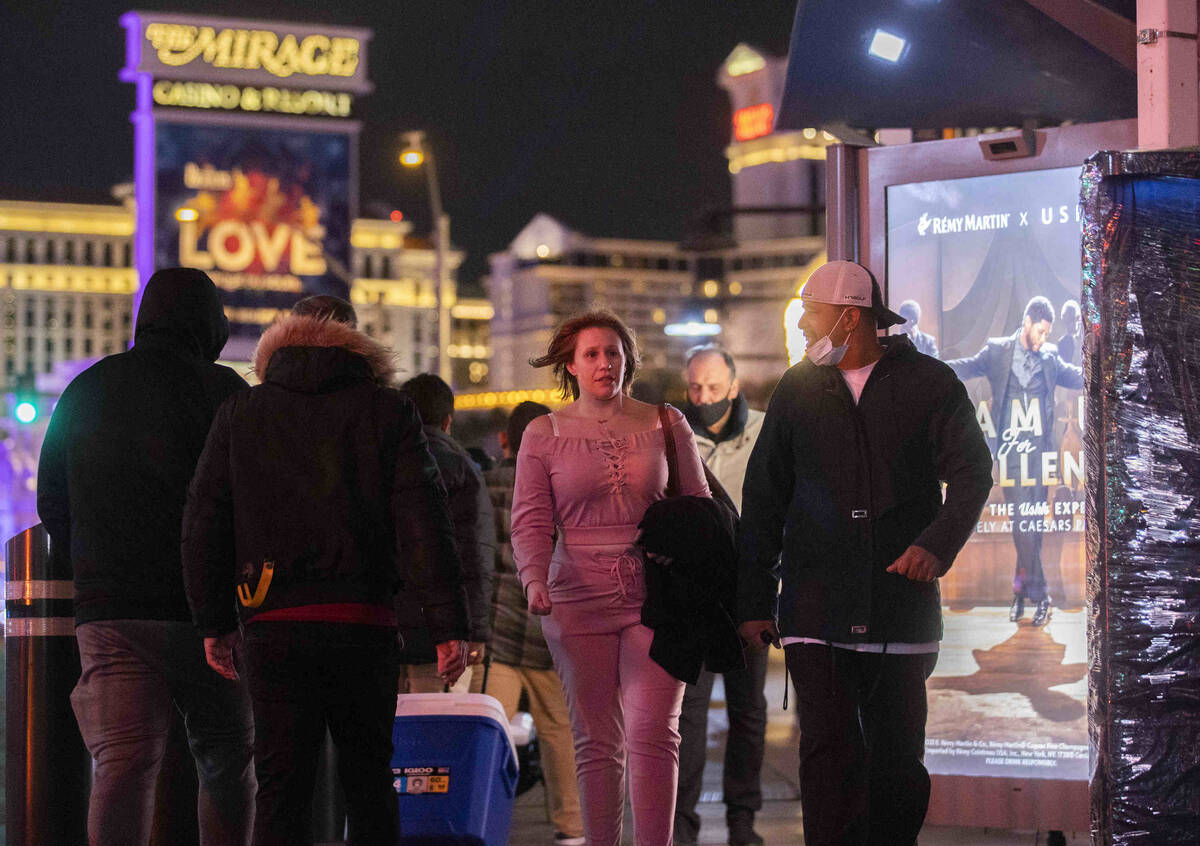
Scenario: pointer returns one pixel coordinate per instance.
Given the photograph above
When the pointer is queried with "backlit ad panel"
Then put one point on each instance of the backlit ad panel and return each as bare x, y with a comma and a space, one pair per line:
991, 265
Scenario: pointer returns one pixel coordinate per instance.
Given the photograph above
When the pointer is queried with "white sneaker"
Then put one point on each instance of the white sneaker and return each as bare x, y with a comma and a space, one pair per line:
561, 839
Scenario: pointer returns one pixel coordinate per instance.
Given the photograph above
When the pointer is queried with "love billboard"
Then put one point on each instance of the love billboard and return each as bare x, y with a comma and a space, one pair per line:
265, 212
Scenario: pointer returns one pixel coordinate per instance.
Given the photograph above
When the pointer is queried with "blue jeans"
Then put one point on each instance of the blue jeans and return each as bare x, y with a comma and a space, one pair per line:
135, 674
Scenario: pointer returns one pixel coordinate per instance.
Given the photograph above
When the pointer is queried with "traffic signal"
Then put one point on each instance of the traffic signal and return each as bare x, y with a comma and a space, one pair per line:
25, 399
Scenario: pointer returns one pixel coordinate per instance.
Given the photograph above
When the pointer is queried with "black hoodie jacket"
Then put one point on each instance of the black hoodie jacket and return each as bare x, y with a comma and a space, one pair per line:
842, 490
331, 480
121, 448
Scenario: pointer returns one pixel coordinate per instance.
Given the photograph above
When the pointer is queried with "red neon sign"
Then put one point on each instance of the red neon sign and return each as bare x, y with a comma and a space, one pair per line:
753, 121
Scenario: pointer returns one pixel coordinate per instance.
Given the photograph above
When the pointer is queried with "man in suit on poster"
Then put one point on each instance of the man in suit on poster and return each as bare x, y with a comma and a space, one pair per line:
1024, 371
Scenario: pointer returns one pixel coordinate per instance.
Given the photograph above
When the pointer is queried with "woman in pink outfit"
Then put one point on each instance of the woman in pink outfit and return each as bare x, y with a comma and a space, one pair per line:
585, 475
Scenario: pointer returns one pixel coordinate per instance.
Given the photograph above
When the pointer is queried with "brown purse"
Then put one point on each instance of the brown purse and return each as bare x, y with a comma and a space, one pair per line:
718, 490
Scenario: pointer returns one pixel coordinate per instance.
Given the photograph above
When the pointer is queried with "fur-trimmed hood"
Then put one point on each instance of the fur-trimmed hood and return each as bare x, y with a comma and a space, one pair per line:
296, 330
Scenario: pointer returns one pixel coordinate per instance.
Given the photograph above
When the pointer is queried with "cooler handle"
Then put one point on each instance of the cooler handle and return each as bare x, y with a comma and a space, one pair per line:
510, 773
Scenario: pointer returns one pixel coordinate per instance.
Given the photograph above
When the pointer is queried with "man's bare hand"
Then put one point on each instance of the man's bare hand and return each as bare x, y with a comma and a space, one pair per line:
218, 651
452, 660
539, 598
758, 633
917, 564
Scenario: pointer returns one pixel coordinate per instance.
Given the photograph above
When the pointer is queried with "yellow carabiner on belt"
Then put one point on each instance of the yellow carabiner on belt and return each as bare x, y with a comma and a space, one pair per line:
260, 592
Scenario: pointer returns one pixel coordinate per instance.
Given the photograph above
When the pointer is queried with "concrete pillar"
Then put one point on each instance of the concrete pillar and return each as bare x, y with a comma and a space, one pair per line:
1168, 87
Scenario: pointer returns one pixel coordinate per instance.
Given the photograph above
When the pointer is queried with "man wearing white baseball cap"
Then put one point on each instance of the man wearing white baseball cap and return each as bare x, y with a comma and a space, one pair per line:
843, 502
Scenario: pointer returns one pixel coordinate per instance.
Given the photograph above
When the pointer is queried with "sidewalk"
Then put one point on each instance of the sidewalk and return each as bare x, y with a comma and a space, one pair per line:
779, 820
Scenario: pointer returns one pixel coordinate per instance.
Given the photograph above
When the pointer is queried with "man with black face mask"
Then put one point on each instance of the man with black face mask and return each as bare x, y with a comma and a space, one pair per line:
726, 429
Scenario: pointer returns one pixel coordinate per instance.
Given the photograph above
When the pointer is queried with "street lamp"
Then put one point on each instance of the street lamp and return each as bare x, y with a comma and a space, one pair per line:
417, 154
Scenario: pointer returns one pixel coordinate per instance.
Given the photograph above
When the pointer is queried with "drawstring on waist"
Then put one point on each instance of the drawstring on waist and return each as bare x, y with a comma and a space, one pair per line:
623, 567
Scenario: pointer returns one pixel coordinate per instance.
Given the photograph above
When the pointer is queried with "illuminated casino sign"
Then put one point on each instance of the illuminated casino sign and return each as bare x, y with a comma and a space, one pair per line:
245, 164
753, 121
229, 65
173, 46
250, 98
177, 45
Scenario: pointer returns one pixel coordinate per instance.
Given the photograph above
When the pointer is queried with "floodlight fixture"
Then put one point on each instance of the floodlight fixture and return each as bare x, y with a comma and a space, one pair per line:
886, 46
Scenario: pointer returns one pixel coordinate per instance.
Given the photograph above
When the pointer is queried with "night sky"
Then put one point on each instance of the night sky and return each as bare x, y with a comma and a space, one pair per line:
604, 114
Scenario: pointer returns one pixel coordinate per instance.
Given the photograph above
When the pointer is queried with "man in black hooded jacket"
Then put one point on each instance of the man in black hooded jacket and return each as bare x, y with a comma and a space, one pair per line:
334, 489
119, 452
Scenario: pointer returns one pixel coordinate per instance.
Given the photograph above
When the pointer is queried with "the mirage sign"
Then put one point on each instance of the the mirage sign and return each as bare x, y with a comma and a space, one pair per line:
244, 165
227, 50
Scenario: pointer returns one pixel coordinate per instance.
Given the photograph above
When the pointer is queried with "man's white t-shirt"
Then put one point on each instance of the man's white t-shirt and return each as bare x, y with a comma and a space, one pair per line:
855, 381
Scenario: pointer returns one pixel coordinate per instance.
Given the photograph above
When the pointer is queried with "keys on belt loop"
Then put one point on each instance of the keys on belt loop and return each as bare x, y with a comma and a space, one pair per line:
859, 514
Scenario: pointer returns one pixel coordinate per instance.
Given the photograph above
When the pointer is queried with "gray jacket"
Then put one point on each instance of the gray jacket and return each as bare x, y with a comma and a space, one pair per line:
727, 459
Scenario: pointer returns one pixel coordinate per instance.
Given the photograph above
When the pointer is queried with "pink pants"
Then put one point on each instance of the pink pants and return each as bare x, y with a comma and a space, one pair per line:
622, 704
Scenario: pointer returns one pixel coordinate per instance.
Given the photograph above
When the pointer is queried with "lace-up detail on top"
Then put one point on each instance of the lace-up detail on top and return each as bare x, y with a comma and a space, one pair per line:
585, 486
613, 450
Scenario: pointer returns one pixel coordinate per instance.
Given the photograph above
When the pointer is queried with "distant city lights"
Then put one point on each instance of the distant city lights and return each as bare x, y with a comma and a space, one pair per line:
692, 329
753, 121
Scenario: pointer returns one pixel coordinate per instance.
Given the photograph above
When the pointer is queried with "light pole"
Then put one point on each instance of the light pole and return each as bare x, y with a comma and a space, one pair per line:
415, 154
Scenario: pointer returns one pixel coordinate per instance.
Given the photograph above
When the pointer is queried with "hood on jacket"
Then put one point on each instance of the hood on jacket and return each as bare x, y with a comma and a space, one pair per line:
299, 330
180, 307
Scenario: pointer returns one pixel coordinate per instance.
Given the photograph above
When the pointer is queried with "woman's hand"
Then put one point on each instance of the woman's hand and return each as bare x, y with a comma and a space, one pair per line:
539, 598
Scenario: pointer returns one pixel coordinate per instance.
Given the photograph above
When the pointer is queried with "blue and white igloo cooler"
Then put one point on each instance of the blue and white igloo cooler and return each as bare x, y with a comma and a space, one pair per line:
454, 770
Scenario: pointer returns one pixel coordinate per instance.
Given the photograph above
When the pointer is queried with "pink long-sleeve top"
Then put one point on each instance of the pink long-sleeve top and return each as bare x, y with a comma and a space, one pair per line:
584, 477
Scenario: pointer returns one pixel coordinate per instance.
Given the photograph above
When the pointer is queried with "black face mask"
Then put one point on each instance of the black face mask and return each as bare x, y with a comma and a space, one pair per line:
708, 413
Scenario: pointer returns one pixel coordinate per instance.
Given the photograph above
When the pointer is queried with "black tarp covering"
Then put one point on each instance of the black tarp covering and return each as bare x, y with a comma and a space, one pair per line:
1141, 303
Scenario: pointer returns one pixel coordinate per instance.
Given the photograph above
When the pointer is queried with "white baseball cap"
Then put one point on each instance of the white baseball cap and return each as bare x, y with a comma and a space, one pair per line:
847, 283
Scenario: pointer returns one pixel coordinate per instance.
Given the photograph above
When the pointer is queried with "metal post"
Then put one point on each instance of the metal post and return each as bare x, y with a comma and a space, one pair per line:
841, 202
48, 768
1168, 112
441, 235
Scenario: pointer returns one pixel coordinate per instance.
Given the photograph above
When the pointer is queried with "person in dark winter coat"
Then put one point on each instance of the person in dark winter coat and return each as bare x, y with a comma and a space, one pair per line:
335, 495
846, 483
474, 531
112, 481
